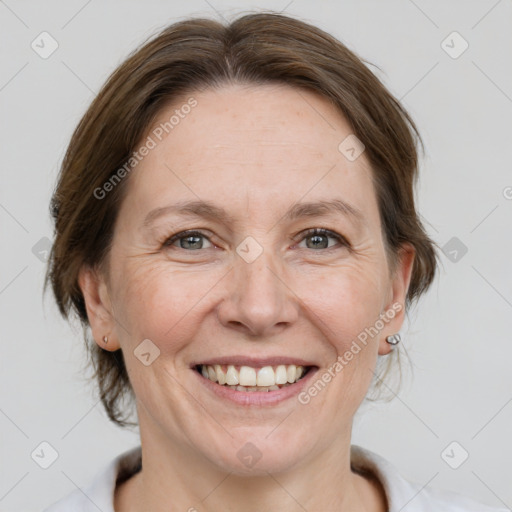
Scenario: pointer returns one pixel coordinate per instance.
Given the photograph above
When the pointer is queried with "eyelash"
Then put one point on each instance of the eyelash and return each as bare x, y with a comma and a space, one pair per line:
304, 234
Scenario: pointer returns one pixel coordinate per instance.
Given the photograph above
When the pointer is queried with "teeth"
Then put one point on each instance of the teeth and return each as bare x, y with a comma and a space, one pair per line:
247, 376
221, 377
281, 374
249, 379
265, 376
291, 373
231, 376
257, 388
211, 373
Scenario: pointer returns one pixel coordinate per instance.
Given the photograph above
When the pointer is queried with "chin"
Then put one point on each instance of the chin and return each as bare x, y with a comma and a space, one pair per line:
258, 453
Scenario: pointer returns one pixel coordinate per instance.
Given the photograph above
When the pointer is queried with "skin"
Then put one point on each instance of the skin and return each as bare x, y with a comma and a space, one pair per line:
254, 150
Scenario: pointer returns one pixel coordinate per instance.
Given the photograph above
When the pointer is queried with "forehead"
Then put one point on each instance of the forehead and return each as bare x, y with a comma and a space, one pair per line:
256, 117
257, 142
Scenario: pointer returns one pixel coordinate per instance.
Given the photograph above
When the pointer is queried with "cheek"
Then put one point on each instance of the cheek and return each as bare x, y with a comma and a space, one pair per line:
343, 305
160, 304
343, 302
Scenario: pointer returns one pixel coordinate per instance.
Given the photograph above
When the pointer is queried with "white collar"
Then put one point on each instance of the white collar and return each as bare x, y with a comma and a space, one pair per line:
400, 492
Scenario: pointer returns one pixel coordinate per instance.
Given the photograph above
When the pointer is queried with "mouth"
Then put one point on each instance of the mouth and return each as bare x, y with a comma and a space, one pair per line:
250, 379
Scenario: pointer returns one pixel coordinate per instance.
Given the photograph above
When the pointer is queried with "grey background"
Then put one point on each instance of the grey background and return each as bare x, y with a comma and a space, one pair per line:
459, 339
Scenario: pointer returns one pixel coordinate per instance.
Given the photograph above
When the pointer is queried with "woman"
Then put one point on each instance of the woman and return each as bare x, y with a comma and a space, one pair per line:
235, 222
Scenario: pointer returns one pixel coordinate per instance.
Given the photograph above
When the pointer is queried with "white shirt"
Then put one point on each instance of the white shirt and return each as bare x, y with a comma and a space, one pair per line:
99, 495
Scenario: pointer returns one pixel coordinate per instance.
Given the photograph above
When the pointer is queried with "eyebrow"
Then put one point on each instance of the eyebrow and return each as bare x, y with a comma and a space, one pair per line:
209, 210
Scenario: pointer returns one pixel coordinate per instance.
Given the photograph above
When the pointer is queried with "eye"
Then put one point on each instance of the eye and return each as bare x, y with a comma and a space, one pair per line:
319, 238
192, 240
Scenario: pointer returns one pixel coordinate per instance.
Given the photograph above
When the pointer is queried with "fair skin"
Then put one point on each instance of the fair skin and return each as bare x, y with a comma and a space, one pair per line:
254, 151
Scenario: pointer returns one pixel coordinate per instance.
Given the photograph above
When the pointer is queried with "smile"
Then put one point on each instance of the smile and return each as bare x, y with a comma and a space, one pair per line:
250, 379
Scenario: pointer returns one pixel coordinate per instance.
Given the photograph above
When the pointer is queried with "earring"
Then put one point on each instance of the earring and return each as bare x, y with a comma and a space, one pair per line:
394, 339
105, 339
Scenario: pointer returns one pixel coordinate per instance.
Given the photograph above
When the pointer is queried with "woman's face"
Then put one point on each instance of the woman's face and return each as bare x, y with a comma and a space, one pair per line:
252, 286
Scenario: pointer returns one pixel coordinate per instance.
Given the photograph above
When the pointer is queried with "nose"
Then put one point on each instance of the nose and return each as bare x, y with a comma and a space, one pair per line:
258, 299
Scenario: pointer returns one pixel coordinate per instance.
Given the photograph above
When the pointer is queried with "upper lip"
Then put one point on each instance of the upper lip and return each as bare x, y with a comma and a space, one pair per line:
255, 362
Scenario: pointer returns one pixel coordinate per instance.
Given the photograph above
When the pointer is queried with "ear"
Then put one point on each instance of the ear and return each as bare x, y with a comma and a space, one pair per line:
395, 307
99, 308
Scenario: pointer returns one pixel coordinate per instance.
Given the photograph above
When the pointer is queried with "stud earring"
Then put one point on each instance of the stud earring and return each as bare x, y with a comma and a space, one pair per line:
105, 339
394, 339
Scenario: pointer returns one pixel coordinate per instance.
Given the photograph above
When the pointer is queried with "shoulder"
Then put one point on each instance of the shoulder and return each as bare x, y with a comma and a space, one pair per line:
455, 502
402, 493
74, 502
99, 494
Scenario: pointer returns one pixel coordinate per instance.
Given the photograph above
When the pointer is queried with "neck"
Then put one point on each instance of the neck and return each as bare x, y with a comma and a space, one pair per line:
174, 477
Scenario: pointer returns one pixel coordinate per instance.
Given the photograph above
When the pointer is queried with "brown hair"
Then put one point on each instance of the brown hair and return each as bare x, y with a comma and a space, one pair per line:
200, 53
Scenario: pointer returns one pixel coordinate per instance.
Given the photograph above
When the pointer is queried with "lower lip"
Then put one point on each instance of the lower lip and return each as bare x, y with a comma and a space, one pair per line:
257, 398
